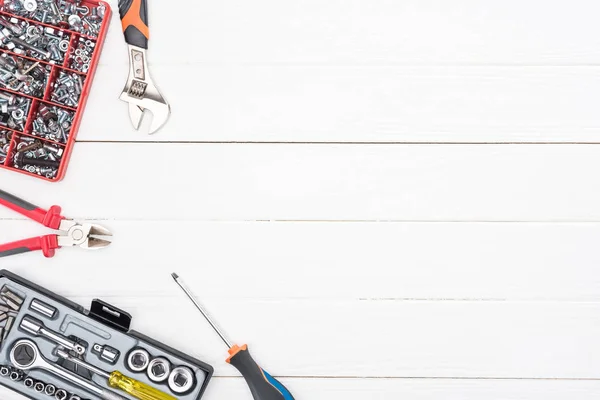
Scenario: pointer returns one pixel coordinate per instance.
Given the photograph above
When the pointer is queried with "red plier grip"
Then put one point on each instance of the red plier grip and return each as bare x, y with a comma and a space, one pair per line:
50, 218
48, 244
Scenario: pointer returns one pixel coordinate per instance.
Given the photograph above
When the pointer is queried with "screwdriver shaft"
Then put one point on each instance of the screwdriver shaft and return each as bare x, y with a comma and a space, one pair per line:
201, 309
64, 354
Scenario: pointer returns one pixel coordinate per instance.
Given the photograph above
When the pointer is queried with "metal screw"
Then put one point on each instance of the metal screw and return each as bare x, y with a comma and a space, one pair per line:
68, 89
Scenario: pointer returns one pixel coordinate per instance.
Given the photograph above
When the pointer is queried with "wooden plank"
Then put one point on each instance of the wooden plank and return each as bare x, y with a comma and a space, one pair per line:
364, 71
385, 389
354, 338
363, 32
223, 103
324, 182
382, 338
300, 261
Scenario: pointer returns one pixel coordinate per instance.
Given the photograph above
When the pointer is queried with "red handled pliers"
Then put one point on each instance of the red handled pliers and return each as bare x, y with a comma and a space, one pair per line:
72, 233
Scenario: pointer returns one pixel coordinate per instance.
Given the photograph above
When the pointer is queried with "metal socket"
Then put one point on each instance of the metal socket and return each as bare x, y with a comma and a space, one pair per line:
138, 360
39, 387
50, 389
181, 380
42, 308
61, 394
159, 369
16, 376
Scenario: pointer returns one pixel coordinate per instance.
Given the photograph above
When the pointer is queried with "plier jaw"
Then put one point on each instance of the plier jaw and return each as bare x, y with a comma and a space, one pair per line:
72, 233
82, 235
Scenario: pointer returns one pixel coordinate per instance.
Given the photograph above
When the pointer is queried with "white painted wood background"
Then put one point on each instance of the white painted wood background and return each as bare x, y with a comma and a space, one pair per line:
386, 199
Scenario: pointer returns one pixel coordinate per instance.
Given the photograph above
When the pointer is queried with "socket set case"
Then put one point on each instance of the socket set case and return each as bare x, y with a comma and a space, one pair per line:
49, 51
44, 324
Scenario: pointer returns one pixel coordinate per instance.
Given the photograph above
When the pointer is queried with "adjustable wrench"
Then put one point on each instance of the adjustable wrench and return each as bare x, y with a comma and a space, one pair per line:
140, 91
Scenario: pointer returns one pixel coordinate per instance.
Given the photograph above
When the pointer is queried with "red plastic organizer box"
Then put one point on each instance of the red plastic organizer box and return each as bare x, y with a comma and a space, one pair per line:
49, 51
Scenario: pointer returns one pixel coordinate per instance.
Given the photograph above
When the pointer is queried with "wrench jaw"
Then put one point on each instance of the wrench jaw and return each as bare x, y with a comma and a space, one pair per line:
142, 94
136, 115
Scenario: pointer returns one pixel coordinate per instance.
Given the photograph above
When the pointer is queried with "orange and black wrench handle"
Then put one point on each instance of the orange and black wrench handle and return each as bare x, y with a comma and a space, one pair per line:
262, 385
134, 19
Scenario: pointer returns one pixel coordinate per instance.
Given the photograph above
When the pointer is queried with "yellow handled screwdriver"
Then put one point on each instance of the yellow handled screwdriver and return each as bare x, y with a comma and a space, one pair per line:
117, 380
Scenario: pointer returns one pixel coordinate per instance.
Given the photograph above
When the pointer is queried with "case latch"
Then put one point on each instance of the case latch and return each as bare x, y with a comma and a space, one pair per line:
116, 318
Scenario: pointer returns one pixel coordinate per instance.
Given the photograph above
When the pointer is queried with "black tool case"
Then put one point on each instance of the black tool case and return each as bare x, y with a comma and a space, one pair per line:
103, 331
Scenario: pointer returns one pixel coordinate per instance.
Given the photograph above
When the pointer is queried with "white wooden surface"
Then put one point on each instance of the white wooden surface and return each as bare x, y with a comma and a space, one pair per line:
386, 199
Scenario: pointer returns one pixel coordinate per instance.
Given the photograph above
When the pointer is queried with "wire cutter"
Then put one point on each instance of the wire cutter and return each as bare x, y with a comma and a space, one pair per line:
72, 233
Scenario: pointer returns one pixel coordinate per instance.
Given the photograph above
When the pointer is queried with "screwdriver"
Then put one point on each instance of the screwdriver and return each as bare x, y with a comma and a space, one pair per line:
117, 380
262, 385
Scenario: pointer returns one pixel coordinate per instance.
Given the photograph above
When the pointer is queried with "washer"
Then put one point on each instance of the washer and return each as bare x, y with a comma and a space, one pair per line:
30, 5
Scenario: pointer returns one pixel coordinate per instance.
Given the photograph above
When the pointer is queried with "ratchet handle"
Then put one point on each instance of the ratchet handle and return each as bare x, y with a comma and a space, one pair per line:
48, 244
262, 385
137, 389
134, 19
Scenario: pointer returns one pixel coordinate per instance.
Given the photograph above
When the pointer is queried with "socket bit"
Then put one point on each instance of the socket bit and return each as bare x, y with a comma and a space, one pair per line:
8, 294
8, 327
13, 305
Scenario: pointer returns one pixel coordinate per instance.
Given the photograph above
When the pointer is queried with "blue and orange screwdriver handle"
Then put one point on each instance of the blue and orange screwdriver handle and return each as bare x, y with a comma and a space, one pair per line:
262, 385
